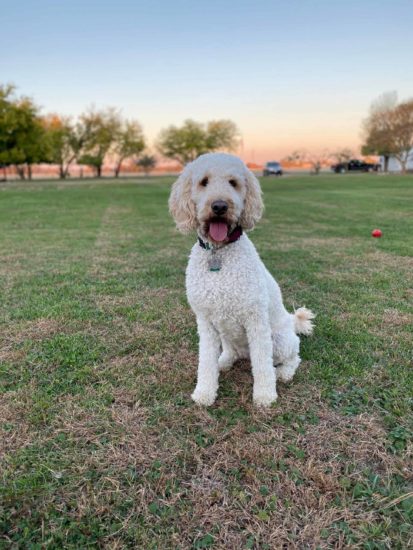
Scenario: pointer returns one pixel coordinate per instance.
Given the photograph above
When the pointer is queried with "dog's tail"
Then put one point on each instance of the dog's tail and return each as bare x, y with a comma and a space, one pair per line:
303, 321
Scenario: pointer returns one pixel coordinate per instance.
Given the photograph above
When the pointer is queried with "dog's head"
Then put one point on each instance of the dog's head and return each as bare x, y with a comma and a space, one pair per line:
215, 193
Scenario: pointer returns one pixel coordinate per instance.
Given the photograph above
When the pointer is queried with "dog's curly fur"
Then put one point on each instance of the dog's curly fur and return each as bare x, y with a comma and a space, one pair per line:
239, 309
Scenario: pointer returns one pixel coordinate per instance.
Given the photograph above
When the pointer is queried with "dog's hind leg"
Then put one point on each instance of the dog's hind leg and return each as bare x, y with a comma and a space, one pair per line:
286, 370
286, 348
258, 332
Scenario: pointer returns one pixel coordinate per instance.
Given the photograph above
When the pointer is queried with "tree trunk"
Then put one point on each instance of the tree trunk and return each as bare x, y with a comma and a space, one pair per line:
99, 171
65, 169
62, 173
403, 161
29, 171
117, 169
316, 168
20, 171
5, 173
386, 163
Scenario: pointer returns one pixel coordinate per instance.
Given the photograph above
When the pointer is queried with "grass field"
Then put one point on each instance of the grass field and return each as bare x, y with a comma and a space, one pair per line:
100, 444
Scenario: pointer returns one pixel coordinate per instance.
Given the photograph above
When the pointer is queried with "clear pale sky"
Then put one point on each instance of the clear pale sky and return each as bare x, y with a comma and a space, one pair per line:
291, 73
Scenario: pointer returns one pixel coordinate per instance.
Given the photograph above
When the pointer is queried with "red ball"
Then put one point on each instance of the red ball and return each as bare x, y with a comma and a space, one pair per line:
376, 233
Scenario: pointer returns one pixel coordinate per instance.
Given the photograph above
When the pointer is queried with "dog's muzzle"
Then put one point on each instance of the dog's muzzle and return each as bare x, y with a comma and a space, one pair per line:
219, 208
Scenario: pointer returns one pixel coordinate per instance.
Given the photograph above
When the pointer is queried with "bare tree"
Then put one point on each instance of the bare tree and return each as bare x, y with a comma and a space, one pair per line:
316, 159
343, 155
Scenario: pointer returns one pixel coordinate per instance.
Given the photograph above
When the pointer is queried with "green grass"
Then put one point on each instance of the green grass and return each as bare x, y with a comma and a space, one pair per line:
100, 445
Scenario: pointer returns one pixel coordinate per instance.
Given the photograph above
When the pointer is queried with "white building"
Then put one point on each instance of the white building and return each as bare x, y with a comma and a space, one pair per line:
395, 166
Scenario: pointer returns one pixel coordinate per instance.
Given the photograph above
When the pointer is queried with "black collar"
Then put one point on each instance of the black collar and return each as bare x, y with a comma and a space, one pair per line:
232, 237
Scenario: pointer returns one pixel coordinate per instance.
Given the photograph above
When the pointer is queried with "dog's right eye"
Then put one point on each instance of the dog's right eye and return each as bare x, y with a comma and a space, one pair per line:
204, 182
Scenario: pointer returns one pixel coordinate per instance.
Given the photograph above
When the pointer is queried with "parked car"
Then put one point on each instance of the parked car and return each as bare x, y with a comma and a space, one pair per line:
273, 168
355, 165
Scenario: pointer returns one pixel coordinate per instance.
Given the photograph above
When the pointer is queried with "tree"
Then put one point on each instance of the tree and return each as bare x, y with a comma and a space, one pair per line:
7, 126
147, 162
23, 139
32, 140
192, 139
376, 128
222, 134
402, 133
99, 130
129, 142
65, 139
388, 130
316, 159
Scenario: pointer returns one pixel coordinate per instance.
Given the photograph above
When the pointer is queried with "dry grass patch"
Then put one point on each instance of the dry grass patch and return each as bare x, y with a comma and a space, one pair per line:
15, 431
395, 318
281, 483
373, 262
392, 325
286, 243
36, 329
105, 245
15, 335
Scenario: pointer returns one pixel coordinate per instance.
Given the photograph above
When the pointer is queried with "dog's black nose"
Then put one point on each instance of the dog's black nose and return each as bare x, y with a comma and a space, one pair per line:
219, 207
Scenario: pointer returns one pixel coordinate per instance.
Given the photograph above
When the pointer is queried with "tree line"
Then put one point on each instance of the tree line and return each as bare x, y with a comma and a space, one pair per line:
28, 138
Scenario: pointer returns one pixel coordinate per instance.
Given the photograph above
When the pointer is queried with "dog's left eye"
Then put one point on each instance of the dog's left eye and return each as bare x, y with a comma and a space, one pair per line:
204, 182
233, 182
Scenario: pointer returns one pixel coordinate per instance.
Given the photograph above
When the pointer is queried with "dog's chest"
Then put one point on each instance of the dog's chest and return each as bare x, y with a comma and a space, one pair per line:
225, 292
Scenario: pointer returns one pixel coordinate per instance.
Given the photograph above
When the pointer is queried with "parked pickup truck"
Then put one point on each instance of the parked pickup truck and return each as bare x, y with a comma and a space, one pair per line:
355, 166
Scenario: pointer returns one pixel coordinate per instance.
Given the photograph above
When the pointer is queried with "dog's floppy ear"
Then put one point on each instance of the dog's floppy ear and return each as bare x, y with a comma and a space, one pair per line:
181, 205
253, 207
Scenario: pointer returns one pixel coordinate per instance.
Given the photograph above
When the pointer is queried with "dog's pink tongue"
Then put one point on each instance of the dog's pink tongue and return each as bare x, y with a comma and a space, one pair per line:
218, 231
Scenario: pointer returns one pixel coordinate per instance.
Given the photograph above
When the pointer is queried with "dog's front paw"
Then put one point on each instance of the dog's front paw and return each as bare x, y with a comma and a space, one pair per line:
264, 398
202, 397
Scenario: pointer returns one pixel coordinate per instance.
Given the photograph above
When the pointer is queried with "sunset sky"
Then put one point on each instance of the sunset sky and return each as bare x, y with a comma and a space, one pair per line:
291, 74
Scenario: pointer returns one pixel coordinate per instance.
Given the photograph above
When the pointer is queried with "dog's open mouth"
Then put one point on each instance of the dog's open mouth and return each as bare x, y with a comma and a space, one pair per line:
218, 229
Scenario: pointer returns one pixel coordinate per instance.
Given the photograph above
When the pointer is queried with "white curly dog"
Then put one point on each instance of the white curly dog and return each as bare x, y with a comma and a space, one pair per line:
237, 303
